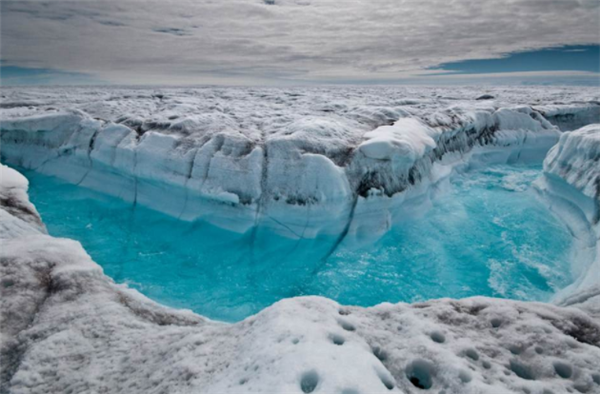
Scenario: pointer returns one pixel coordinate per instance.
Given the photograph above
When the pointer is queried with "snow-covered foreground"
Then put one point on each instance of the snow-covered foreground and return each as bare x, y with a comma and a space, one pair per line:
311, 161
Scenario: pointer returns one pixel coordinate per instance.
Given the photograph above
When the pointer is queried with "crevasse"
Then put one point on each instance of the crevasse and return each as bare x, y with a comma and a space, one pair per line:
348, 174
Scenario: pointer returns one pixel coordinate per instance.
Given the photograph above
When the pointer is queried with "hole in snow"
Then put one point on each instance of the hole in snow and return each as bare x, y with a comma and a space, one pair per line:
521, 370
516, 349
337, 339
563, 369
346, 325
496, 322
386, 379
420, 373
438, 337
539, 350
309, 381
472, 354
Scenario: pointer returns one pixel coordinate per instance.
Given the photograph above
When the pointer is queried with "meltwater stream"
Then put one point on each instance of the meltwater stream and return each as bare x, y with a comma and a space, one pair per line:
489, 235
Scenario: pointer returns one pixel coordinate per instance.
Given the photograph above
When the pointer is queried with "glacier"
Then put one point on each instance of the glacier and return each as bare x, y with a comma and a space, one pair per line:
304, 162
348, 162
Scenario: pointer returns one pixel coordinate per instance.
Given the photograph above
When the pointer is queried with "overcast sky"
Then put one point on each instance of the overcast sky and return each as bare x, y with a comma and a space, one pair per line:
293, 41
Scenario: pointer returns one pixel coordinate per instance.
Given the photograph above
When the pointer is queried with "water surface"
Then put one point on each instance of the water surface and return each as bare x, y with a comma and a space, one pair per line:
489, 235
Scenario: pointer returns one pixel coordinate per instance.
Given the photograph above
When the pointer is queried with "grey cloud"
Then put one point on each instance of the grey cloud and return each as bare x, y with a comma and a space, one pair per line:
306, 40
111, 23
171, 30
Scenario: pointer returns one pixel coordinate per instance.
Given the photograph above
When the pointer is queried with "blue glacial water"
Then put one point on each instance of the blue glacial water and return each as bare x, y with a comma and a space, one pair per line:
488, 235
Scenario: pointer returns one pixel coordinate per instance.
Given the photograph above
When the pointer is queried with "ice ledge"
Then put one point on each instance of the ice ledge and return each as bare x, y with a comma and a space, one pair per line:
68, 327
18, 215
576, 159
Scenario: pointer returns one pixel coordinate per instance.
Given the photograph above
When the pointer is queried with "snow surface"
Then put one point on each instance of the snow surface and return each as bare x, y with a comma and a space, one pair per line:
66, 327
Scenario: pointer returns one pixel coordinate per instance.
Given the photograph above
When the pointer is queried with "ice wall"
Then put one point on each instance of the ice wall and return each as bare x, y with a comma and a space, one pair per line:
571, 185
570, 117
336, 167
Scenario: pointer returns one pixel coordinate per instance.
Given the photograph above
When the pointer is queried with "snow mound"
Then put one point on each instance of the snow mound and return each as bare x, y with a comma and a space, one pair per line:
407, 140
19, 216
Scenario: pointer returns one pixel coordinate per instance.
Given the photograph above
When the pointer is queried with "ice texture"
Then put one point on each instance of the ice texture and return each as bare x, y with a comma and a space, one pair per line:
304, 161
267, 155
571, 186
575, 159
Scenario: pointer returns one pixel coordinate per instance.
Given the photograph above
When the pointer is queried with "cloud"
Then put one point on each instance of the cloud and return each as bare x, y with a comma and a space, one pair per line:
257, 41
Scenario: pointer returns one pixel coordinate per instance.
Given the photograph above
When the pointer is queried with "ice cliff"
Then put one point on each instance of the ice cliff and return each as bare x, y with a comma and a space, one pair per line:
308, 163
571, 186
304, 162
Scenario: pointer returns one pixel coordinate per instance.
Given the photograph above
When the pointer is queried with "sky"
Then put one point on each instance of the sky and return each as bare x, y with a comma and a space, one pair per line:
297, 42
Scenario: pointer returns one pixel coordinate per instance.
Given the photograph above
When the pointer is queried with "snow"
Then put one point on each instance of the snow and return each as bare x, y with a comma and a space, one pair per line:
19, 216
406, 141
342, 161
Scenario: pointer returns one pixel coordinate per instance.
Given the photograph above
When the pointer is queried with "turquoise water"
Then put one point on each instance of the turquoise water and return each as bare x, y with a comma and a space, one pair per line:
488, 235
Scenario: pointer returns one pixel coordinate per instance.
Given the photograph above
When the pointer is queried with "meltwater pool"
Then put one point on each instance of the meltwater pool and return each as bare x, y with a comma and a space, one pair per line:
488, 235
